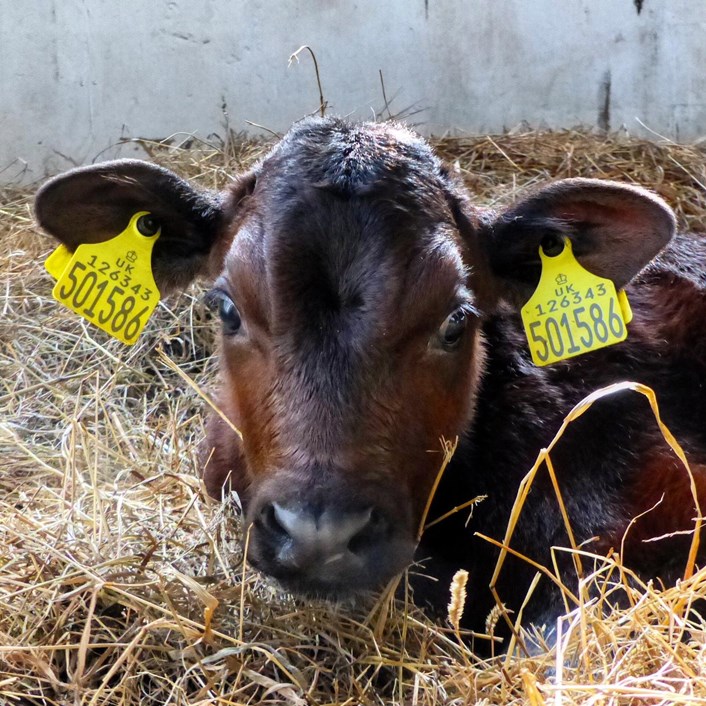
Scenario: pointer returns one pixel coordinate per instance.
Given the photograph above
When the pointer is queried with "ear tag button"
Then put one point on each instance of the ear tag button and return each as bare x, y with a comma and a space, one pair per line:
110, 284
572, 311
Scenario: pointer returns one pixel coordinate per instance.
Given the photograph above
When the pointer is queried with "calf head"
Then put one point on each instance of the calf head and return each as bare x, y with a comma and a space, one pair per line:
352, 277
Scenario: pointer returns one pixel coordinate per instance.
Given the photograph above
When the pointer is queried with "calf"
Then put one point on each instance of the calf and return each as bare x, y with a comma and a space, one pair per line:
369, 309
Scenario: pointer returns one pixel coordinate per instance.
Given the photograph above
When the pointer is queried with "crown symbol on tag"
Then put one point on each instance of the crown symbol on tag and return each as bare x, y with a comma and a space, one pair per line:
131, 256
561, 279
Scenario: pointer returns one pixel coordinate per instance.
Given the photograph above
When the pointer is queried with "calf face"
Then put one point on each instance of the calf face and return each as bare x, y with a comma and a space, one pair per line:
353, 279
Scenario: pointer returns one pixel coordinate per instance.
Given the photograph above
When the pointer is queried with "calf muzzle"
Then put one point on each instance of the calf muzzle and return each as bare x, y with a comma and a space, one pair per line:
329, 548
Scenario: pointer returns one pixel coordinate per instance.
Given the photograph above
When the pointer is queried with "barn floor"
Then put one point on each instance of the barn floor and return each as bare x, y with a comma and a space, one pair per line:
120, 584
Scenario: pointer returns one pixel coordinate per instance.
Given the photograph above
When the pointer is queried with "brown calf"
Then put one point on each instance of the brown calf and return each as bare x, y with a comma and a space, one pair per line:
369, 309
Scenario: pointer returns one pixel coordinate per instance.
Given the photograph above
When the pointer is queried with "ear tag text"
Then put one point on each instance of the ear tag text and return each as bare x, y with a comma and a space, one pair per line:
572, 311
110, 284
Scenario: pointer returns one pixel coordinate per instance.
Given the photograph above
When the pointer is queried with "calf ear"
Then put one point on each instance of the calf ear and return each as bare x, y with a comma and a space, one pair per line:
615, 230
93, 204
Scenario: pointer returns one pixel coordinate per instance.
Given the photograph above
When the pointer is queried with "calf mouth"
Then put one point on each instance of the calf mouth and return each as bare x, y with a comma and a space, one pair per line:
344, 584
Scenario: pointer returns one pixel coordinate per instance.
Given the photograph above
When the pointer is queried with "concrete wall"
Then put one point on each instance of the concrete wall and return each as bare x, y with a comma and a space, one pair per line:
78, 75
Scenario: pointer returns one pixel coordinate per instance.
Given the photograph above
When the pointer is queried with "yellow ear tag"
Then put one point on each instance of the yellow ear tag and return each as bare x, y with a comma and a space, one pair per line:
109, 284
572, 311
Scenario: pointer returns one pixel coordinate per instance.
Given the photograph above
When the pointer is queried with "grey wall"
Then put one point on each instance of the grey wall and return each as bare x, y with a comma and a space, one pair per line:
77, 75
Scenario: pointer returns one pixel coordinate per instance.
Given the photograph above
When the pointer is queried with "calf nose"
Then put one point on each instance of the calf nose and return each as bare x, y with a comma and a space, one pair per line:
318, 546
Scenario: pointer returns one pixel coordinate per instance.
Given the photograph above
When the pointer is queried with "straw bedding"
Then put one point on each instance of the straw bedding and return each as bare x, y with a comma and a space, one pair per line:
121, 584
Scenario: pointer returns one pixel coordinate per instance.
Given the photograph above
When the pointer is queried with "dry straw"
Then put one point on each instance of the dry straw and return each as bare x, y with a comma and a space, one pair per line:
120, 584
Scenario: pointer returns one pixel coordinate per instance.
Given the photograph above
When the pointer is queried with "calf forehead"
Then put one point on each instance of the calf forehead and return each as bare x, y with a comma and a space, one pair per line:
348, 218
328, 258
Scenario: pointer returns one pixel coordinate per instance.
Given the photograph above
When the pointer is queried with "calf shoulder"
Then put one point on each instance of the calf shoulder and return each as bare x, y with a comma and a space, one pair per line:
612, 463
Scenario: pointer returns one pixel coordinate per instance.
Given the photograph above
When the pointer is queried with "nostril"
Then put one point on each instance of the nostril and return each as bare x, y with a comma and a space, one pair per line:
268, 521
360, 542
369, 535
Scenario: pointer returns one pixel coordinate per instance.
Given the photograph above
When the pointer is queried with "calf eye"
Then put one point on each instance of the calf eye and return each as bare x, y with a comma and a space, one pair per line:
227, 311
452, 329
